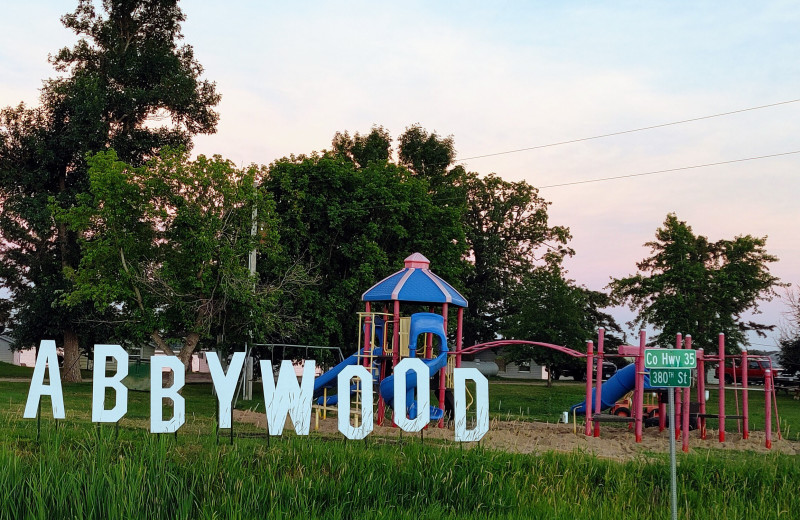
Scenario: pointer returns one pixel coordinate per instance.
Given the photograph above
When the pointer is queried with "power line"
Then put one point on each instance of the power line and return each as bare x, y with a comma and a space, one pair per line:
601, 179
571, 141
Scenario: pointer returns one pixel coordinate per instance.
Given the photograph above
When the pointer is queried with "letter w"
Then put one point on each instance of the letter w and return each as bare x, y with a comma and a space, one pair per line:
288, 397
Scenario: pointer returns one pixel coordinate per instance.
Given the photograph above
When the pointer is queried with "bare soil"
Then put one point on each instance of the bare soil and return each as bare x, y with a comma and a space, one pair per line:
536, 437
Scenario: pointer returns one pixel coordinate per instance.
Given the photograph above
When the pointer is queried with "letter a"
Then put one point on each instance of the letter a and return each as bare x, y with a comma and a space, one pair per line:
48, 357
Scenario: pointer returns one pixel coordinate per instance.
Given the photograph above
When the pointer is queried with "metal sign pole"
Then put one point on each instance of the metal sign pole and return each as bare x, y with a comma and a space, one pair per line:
673, 480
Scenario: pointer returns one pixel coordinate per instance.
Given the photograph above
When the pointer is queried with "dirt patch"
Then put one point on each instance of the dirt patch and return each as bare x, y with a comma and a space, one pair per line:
536, 437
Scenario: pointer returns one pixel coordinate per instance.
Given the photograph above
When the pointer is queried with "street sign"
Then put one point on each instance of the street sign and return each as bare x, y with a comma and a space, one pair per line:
670, 358
671, 377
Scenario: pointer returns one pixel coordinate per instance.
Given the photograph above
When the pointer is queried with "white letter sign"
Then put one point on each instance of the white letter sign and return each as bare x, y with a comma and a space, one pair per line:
100, 382
288, 397
158, 392
423, 395
460, 375
225, 384
47, 357
343, 382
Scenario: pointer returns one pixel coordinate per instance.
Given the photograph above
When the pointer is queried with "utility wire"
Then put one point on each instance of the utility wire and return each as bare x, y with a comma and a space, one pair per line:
457, 199
602, 179
628, 131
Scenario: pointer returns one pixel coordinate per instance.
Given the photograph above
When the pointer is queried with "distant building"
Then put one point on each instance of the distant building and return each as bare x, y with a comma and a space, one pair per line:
7, 355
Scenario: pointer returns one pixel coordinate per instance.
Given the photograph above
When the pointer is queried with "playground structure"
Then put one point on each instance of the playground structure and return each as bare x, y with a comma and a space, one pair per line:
386, 337
604, 395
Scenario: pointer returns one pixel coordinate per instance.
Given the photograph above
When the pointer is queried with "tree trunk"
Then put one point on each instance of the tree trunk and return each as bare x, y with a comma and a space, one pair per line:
549, 376
72, 354
185, 355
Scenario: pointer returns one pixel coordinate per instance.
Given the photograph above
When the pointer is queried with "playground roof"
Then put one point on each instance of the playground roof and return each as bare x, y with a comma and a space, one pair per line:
415, 283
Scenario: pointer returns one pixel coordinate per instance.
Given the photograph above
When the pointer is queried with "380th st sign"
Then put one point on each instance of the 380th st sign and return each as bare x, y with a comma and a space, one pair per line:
286, 397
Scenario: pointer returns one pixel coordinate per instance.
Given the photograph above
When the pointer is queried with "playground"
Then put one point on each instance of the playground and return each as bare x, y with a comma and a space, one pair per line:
619, 409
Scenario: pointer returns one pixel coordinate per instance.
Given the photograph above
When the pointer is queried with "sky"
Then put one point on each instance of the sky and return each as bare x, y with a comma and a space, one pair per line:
501, 76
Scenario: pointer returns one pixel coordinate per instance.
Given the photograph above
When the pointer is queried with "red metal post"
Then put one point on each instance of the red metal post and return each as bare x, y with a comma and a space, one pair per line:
367, 336
599, 392
459, 330
721, 375
686, 406
589, 377
638, 389
701, 391
442, 371
396, 334
745, 403
677, 411
768, 407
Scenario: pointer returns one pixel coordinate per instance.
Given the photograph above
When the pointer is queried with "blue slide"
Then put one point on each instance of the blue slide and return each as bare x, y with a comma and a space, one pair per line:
421, 323
617, 386
387, 387
329, 378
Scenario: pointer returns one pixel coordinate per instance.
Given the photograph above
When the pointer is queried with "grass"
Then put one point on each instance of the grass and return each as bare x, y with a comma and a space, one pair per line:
97, 476
78, 470
9, 370
533, 401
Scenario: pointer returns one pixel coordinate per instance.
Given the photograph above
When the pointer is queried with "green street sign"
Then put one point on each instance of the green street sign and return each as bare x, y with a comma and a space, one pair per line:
675, 377
669, 358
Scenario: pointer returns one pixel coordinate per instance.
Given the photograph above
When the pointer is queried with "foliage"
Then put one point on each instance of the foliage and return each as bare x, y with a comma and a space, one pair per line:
352, 221
168, 244
790, 337
126, 85
693, 286
548, 308
509, 235
376, 146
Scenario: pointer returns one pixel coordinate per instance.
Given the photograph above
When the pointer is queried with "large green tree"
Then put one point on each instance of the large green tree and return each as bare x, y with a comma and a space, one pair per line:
547, 307
351, 215
691, 285
127, 84
168, 245
509, 235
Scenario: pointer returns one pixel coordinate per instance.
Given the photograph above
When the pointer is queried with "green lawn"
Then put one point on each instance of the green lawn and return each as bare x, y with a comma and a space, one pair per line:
77, 470
9, 370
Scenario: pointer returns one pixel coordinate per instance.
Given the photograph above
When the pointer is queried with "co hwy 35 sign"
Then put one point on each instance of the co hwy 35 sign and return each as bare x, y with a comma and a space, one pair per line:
670, 367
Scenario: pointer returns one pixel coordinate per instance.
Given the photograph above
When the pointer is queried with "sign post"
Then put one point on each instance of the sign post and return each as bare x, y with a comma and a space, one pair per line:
671, 368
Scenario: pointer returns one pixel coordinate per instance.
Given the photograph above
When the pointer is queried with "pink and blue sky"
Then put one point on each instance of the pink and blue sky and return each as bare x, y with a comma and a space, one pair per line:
507, 75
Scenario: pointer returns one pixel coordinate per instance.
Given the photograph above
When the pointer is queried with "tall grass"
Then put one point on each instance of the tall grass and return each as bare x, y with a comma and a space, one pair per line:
159, 477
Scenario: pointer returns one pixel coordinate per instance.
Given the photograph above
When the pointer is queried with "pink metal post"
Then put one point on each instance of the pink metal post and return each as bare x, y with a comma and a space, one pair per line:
768, 407
686, 405
429, 341
701, 391
442, 371
677, 411
367, 335
599, 392
459, 330
638, 389
721, 374
396, 334
745, 403
589, 377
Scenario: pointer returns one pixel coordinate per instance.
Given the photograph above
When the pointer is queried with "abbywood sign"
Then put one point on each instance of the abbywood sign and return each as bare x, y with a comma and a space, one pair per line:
287, 396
